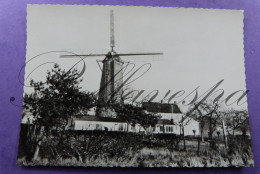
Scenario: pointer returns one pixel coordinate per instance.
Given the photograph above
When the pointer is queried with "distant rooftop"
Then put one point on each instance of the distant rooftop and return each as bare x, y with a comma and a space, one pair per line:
165, 122
161, 107
100, 119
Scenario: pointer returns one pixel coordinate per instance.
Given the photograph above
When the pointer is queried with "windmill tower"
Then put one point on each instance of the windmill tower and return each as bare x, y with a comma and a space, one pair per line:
112, 73
110, 90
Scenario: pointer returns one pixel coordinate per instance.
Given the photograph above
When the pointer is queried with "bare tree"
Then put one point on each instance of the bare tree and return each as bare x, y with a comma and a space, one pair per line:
206, 113
237, 120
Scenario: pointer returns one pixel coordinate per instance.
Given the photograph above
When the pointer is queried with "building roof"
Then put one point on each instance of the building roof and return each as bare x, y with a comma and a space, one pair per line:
100, 119
165, 122
161, 107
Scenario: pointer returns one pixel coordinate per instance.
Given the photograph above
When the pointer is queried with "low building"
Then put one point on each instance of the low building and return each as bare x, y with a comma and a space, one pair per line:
171, 119
169, 123
100, 123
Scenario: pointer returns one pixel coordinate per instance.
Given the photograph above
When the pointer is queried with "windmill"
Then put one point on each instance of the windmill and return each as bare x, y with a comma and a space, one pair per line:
112, 74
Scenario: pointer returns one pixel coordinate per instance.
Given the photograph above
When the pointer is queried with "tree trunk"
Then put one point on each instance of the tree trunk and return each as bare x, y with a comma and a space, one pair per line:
198, 145
233, 127
224, 134
69, 123
210, 133
210, 128
79, 156
37, 149
183, 134
36, 152
201, 133
184, 141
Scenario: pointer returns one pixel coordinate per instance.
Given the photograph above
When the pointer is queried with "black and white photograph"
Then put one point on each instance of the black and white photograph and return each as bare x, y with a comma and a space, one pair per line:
118, 86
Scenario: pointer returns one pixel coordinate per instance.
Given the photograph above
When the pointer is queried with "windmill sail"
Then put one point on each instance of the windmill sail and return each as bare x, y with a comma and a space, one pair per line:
111, 83
112, 33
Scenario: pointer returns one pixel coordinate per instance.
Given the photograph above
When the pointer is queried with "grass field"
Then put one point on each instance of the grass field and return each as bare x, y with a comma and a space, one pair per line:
98, 148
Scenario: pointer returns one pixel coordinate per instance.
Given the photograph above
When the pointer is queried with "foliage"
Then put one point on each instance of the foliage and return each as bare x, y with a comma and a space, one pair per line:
54, 102
97, 148
136, 115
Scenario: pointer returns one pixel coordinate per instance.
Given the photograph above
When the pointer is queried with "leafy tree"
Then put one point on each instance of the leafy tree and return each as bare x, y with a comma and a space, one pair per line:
54, 102
136, 115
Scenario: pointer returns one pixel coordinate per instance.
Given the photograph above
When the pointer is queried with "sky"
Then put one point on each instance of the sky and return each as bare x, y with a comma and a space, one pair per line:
200, 46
